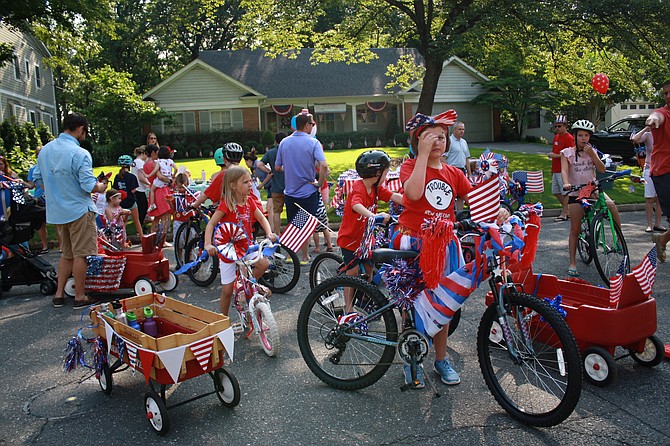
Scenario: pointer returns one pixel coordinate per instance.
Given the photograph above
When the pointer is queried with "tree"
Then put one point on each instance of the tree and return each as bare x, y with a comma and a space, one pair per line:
21, 14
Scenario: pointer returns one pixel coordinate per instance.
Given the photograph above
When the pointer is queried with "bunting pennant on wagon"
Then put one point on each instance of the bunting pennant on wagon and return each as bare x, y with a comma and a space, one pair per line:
132, 354
146, 362
227, 339
202, 350
171, 359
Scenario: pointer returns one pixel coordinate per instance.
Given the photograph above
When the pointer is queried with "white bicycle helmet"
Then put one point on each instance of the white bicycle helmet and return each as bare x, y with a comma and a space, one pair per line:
583, 124
233, 152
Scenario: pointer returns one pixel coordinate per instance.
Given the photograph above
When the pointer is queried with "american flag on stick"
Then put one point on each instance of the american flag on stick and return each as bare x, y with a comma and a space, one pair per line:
299, 230
484, 200
616, 284
534, 180
393, 181
645, 272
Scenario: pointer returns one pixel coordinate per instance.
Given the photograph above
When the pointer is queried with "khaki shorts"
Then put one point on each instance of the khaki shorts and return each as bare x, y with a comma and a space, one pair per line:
278, 202
79, 238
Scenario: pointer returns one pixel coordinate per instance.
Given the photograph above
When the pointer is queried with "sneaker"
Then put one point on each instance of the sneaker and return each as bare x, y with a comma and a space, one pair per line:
447, 373
57, 302
151, 208
419, 377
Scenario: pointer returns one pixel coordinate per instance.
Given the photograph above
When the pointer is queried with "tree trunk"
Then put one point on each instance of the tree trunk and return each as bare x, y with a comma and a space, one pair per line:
433, 66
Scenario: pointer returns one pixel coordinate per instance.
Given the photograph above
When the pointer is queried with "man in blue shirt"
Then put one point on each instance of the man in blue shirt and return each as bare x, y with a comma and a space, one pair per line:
66, 172
297, 158
277, 183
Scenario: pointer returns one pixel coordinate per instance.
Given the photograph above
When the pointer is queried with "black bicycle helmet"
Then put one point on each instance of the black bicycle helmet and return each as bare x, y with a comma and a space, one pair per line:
371, 163
233, 152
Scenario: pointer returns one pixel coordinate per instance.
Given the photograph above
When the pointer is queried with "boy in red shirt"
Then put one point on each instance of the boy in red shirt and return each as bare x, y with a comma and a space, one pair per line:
361, 204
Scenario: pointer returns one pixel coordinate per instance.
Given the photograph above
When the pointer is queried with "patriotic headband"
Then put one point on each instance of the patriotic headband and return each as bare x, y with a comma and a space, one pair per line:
445, 119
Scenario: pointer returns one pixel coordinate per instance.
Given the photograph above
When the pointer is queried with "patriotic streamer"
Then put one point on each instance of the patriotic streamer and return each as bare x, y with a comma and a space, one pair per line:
103, 273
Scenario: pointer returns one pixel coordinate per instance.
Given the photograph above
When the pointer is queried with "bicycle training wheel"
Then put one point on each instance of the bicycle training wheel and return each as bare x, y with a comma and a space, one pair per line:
609, 247
204, 273
583, 240
324, 266
268, 332
332, 352
542, 384
284, 271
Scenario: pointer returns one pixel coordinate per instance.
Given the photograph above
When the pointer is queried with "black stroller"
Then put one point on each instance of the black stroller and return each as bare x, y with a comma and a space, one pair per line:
19, 220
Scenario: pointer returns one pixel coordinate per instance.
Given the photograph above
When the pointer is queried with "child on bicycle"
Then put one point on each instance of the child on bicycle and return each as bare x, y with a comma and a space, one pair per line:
236, 206
578, 166
430, 189
372, 166
181, 203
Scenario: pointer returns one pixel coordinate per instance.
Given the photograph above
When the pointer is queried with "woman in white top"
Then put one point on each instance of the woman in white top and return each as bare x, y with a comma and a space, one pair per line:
643, 137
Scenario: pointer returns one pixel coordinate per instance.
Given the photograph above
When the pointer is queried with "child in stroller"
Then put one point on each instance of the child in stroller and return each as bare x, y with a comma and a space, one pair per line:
20, 217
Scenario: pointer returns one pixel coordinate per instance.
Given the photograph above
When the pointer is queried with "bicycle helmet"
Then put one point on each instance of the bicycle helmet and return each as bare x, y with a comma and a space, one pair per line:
233, 152
583, 124
125, 160
218, 157
371, 163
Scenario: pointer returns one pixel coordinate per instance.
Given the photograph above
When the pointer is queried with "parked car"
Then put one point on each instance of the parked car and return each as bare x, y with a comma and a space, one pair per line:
615, 140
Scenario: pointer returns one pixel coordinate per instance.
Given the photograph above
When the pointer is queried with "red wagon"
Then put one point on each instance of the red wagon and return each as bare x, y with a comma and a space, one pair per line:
137, 270
600, 327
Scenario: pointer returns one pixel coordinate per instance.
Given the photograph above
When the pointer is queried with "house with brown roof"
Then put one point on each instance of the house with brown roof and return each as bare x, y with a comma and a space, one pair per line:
246, 90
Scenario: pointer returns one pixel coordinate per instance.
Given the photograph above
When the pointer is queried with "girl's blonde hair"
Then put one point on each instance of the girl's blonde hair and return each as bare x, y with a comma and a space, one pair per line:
233, 174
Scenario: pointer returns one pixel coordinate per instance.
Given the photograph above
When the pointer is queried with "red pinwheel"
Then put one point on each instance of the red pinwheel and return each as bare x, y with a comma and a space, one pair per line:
600, 83
231, 242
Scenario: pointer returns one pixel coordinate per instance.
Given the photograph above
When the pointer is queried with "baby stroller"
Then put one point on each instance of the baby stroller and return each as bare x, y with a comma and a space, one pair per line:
18, 222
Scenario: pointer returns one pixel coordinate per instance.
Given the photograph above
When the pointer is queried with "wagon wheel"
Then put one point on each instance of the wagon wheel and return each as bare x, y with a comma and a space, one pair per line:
156, 412
227, 387
106, 381
653, 353
599, 366
169, 284
69, 287
144, 286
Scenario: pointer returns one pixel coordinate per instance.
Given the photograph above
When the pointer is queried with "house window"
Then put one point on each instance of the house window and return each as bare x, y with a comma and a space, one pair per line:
624, 106
650, 107
17, 68
221, 120
27, 64
49, 121
183, 122
33, 117
20, 114
533, 120
633, 106
38, 77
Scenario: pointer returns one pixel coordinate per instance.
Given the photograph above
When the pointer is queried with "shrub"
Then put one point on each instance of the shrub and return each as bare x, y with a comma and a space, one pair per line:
8, 134
207, 150
267, 139
44, 133
401, 139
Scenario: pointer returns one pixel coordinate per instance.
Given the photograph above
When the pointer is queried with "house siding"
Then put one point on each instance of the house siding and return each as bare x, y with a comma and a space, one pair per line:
200, 89
456, 84
23, 92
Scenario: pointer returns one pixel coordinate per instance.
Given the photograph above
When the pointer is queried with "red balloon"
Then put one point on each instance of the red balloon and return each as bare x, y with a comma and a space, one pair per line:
600, 83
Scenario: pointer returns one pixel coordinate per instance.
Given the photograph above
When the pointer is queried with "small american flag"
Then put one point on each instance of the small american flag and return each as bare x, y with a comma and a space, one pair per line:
645, 272
534, 180
299, 231
616, 284
393, 181
484, 200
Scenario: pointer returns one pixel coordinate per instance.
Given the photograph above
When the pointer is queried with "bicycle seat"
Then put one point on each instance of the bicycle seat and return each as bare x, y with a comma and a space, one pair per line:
385, 255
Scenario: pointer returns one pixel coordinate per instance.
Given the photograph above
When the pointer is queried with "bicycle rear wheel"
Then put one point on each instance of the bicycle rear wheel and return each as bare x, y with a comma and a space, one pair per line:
324, 266
204, 273
284, 271
608, 246
341, 361
541, 387
583, 246
185, 233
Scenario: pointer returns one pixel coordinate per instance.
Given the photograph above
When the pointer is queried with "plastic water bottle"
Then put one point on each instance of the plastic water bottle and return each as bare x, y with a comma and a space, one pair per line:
132, 321
120, 315
203, 175
150, 326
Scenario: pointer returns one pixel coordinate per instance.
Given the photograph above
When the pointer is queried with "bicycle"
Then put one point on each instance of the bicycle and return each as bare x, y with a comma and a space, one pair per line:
251, 303
527, 353
191, 229
600, 238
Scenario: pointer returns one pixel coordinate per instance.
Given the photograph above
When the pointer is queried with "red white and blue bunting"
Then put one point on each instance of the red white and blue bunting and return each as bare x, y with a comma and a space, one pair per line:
376, 106
282, 110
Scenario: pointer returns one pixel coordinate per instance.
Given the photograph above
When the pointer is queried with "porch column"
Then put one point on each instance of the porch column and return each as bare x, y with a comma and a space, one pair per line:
354, 126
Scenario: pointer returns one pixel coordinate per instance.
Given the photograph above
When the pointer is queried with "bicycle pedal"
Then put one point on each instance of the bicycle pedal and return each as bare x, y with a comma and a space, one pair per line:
238, 328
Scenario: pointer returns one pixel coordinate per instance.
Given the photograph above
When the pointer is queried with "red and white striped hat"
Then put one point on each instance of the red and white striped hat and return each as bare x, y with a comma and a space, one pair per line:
561, 119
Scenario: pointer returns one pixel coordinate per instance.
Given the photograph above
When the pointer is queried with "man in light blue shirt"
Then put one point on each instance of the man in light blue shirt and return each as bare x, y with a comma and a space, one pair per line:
297, 157
66, 171
458, 154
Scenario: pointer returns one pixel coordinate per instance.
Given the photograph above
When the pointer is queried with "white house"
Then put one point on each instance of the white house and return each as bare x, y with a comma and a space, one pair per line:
236, 90
26, 83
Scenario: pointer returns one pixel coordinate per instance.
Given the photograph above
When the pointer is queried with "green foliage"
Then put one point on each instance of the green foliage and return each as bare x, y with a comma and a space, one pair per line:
44, 133
21, 161
401, 139
346, 140
267, 139
248, 145
32, 137
8, 134
207, 150
6, 53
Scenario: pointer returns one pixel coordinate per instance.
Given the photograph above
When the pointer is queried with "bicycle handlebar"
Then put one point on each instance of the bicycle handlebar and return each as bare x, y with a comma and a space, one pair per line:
262, 246
607, 179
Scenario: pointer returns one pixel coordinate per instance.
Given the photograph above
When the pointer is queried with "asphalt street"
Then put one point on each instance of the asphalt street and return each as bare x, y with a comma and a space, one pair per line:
284, 404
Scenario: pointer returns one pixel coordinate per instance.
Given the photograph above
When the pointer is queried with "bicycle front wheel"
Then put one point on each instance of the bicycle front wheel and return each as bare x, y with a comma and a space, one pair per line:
184, 234
608, 246
324, 266
204, 273
268, 332
583, 246
330, 351
536, 376
283, 273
